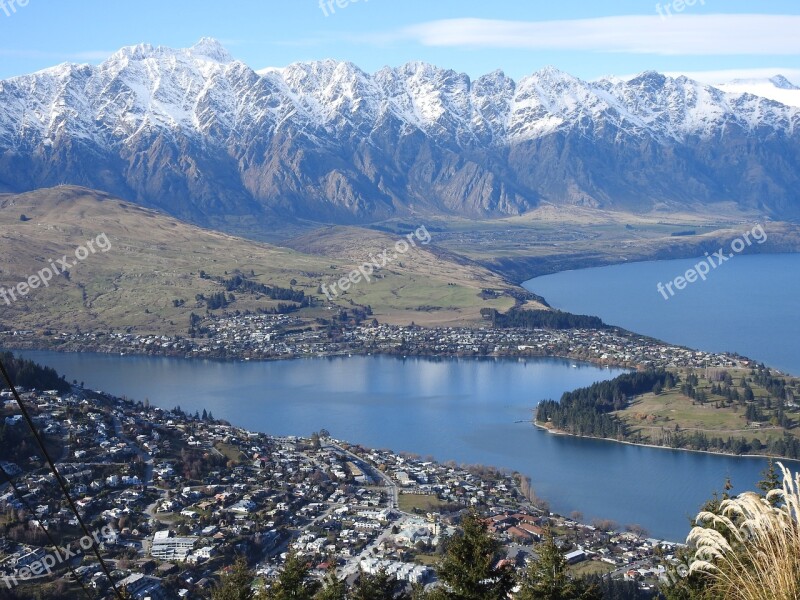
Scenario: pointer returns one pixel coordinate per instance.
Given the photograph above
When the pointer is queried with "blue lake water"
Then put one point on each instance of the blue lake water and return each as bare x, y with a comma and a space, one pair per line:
466, 410
749, 304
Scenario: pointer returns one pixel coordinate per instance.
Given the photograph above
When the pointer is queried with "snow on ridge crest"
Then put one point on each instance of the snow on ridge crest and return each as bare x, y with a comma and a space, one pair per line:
203, 89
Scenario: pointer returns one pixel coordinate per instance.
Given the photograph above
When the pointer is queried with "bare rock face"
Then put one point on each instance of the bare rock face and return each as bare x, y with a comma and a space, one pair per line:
204, 137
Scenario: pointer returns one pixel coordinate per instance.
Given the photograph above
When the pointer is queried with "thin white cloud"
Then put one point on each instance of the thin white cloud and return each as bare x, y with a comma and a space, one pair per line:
751, 81
728, 75
685, 34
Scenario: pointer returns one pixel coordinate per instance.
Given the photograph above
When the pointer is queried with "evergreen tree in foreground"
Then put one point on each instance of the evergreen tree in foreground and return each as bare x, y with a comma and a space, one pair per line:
771, 478
469, 568
380, 586
236, 583
333, 588
547, 577
294, 581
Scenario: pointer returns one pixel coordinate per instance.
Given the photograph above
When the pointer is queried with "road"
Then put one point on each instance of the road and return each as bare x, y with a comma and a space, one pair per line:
391, 489
634, 565
148, 474
146, 458
353, 564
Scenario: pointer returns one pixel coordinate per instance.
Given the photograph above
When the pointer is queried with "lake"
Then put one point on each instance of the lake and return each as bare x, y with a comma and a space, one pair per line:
749, 304
466, 410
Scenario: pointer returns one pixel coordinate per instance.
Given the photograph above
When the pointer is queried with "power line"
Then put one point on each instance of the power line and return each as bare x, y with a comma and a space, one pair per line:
22, 499
60, 481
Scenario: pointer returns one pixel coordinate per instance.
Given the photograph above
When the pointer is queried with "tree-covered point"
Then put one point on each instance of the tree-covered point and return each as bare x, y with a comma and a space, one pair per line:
759, 397
26, 373
540, 319
585, 411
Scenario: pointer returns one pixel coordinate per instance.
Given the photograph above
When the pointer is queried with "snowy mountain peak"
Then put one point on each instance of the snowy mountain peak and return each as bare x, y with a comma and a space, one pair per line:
649, 79
778, 81
496, 75
143, 87
418, 66
207, 49
781, 82
211, 48
194, 128
137, 52
551, 72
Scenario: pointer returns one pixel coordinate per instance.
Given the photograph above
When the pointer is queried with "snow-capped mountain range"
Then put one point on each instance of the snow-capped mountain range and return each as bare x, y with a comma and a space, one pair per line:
205, 137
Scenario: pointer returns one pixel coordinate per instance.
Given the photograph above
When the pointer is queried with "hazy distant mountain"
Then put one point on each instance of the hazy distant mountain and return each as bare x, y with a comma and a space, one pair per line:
205, 137
776, 88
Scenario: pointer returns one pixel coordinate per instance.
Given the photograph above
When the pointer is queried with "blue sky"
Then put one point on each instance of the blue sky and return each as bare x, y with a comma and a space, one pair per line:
588, 39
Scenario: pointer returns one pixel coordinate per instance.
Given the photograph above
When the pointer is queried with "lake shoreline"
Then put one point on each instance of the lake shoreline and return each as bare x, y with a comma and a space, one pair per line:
341, 354
583, 361
607, 347
555, 431
625, 294
462, 411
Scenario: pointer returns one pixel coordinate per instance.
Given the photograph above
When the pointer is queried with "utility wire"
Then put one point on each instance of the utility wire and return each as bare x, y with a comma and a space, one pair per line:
60, 481
22, 499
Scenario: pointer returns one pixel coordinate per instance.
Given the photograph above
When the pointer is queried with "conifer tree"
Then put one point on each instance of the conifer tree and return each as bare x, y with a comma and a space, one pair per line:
236, 583
547, 577
771, 480
333, 588
380, 586
469, 568
294, 581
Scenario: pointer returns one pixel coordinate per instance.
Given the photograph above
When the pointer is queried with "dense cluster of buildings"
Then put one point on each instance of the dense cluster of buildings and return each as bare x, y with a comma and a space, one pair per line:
286, 336
179, 496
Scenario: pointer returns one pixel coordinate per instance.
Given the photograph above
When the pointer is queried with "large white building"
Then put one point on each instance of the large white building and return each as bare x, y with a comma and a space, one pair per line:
168, 547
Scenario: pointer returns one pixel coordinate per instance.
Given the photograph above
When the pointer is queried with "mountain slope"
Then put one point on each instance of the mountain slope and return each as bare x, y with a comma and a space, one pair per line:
148, 276
204, 137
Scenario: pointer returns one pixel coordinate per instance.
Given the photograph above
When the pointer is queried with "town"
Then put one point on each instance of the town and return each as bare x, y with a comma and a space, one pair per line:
284, 336
177, 497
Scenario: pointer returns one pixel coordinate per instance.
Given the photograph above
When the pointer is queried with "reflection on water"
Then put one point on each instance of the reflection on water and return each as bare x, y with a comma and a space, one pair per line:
470, 411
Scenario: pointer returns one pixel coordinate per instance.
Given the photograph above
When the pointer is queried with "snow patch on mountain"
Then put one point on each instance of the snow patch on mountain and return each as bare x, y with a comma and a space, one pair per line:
203, 91
201, 134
